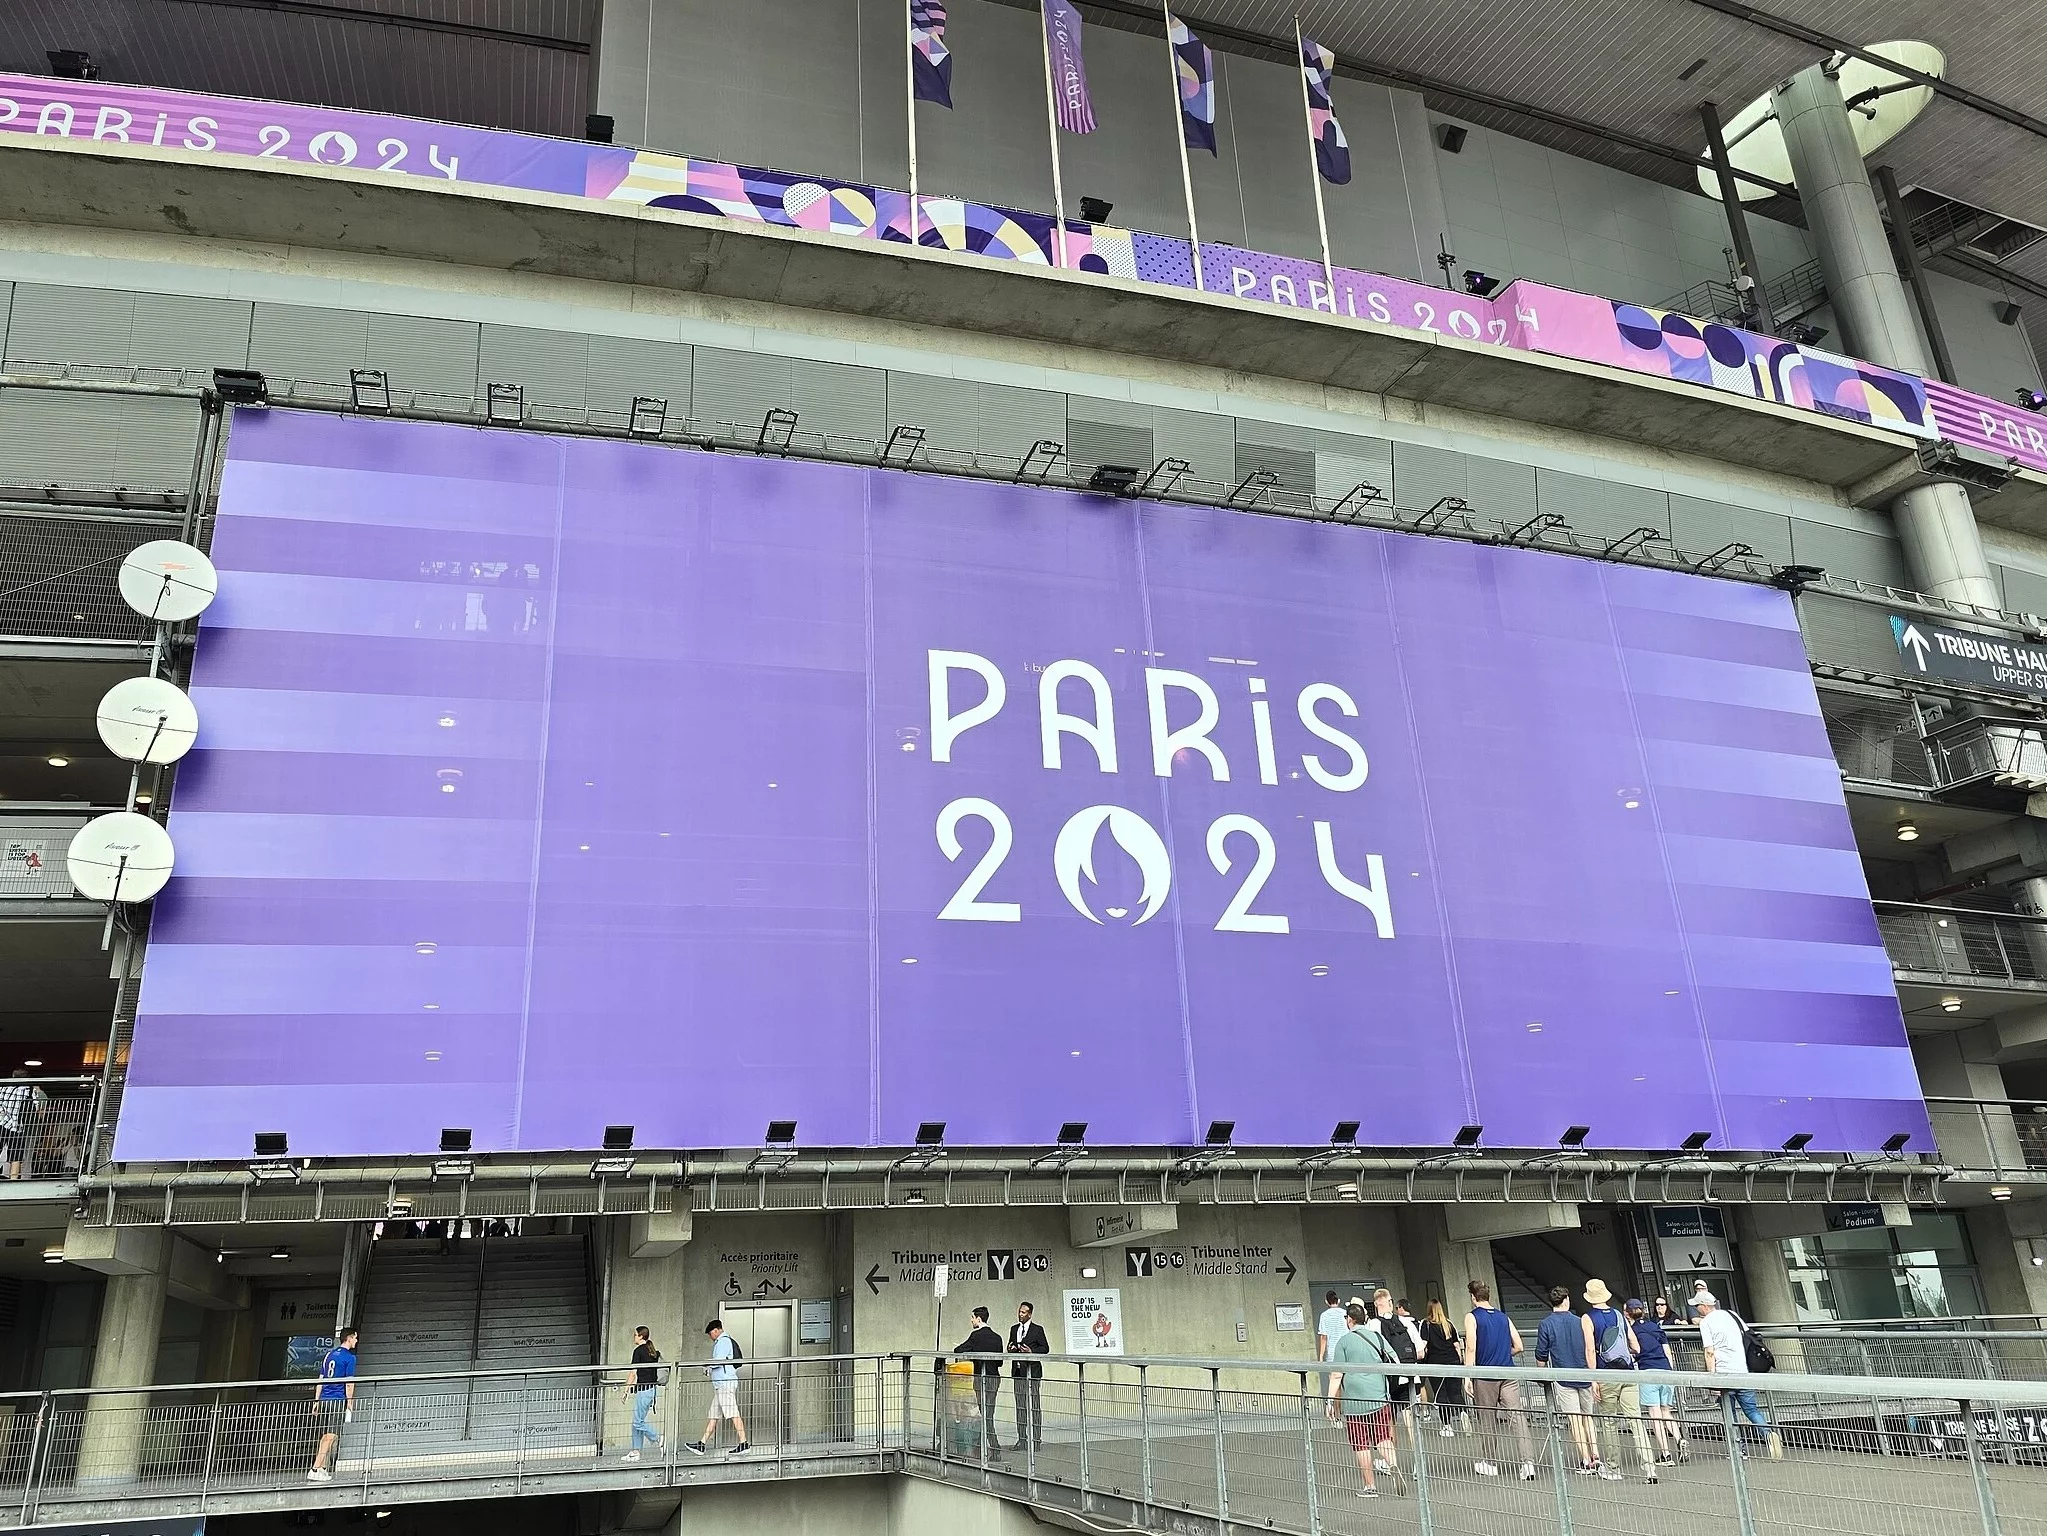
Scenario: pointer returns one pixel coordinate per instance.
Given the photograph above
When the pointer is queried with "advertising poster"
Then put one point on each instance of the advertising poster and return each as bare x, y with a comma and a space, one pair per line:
1094, 1322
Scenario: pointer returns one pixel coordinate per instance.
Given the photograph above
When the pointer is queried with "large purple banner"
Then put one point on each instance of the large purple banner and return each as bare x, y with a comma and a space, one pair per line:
552, 783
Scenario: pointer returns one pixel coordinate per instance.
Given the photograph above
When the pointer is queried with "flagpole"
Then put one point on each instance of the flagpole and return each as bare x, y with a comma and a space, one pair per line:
1314, 166
910, 96
1180, 136
1052, 126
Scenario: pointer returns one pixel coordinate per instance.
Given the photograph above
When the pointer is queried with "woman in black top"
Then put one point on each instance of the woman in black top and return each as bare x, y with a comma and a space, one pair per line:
1441, 1346
646, 1379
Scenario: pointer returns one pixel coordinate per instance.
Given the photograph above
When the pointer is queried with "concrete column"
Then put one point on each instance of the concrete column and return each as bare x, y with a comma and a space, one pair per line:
131, 1320
1769, 1282
1935, 523
1431, 1257
2012, 1283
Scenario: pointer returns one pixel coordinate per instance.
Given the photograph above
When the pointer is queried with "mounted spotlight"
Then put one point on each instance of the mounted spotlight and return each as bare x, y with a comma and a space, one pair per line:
1113, 479
454, 1168
1950, 1004
455, 1138
930, 1133
1072, 1133
1463, 1147
929, 1148
618, 1138
1069, 1147
781, 1133
271, 1144
1696, 1142
1452, 138
1219, 1133
1215, 1146
1343, 1140
281, 1253
1894, 1146
1466, 1139
241, 386
779, 1149
1796, 578
1478, 285
1796, 1144
2032, 399
598, 128
1096, 210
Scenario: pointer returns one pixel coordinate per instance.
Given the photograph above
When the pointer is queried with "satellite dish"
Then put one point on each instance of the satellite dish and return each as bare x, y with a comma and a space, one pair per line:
121, 856
147, 720
168, 581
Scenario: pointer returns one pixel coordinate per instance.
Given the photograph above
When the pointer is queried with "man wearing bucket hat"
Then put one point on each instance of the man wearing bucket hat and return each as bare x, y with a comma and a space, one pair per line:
1615, 1349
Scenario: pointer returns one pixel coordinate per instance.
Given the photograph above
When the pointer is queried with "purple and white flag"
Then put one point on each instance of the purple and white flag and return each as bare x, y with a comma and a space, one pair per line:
1070, 103
930, 59
1194, 66
1332, 149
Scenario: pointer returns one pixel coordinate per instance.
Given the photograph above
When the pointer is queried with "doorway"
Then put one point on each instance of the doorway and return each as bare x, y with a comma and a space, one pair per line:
763, 1334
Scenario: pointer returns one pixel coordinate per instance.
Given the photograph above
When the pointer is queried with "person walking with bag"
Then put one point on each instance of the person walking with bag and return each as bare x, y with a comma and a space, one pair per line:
1361, 1399
1614, 1337
1658, 1402
1441, 1346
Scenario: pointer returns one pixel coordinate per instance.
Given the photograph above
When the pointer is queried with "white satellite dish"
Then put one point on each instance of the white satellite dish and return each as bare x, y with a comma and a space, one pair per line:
147, 720
168, 581
121, 856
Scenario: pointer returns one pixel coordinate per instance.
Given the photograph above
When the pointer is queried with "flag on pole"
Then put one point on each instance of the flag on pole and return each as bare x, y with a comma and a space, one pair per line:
1070, 102
1332, 149
1196, 67
930, 61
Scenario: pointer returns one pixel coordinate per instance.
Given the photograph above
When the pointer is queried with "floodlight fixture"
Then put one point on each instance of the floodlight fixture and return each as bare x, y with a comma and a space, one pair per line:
1219, 1133
54, 1254
618, 1138
1466, 1139
1113, 479
1573, 1139
781, 1133
778, 430
1345, 1134
455, 1138
1463, 1146
71, 64
598, 127
1072, 1133
1796, 578
1451, 137
241, 386
2000, 1192
1894, 1146
649, 416
1070, 1146
930, 1133
2008, 313
1795, 1145
452, 1168
1096, 210
504, 404
1696, 1142
2032, 399
1343, 1140
1478, 285
778, 1148
271, 1144
281, 1252
611, 1167
369, 389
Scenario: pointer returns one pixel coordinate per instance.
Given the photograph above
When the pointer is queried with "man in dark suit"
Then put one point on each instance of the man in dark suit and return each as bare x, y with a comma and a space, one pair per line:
1027, 1338
987, 1373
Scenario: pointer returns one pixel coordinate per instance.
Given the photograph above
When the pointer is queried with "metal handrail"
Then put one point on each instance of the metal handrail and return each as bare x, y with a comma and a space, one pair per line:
1964, 945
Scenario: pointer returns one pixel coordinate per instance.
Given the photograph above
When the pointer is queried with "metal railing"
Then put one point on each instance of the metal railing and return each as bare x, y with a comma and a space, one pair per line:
1197, 1445
33, 842
1998, 1135
44, 1122
1965, 947
1877, 739
2010, 752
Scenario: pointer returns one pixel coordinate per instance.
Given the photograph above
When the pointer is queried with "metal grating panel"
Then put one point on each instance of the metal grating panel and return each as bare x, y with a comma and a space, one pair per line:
838, 400
142, 442
57, 576
1701, 527
155, 437
175, 330
1499, 491
1423, 475
1011, 419
1294, 467
1207, 442
1844, 552
50, 324
1116, 413
292, 342
1601, 509
1089, 443
1847, 634
738, 389
434, 357
944, 408
622, 367
552, 366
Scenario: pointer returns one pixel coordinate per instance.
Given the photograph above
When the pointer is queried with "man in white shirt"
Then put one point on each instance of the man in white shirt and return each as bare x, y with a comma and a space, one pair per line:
1726, 1355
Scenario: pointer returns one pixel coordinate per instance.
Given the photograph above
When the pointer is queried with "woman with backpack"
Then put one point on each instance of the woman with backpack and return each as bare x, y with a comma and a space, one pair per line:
1442, 1346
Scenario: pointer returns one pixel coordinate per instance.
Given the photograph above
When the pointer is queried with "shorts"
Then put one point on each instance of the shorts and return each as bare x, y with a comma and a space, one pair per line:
333, 1414
1658, 1397
1371, 1431
725, 1400
1571, 1399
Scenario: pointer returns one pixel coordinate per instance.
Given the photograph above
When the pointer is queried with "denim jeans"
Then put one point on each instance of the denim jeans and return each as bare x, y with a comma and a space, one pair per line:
643, 1410
1746, 1405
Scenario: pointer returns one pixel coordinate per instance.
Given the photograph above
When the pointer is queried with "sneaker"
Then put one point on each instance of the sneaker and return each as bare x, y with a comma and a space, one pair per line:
318, 1476
1485, 1469
1666, 1460
1586, 1469
630, 1456
1652, 1475
740, 1449
1447, 1432
1368, 1493
1608, 1474
1527, 1471
1381, 1465
1776, 1446
695, 1447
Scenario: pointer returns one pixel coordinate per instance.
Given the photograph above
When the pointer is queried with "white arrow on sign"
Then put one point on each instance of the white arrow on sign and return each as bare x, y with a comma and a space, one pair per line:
1915, 642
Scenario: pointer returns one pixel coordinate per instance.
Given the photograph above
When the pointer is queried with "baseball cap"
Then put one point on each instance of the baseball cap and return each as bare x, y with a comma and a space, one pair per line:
1705, 1299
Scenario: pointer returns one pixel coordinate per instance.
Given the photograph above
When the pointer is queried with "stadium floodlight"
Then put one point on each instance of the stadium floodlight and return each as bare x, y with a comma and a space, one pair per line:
1573, 1139
2032, 399
1696, 1142
271, 1144
1796, 578
1478, 285
778, 430
1095, 210
241, 386
455, 1138
903, 442
1215, 1146
649, 416
618, 1138
504, 404
369, 389
1795, 1145
929, 1149
1071, 1144
1343, 1140
778, 1148
1113, 479
1894, 1146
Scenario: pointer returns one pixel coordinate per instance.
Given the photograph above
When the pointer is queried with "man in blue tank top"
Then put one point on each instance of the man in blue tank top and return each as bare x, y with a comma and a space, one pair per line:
1491, 1339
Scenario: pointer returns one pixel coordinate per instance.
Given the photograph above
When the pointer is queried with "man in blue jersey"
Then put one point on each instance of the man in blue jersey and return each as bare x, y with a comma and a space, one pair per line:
334, 1400
1490, 1339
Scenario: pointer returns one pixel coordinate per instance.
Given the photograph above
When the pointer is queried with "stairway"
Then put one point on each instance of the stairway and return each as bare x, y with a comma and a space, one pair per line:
1521, 1296
492, 1304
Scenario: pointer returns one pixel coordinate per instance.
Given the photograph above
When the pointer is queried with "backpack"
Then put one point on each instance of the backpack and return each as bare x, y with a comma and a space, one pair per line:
1755, 1352
1398, 1341
738, 1354
1614, 1354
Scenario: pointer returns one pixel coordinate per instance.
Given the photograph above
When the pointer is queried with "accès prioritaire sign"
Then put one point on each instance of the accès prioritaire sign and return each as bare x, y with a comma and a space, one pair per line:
2002, 662
815, 792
